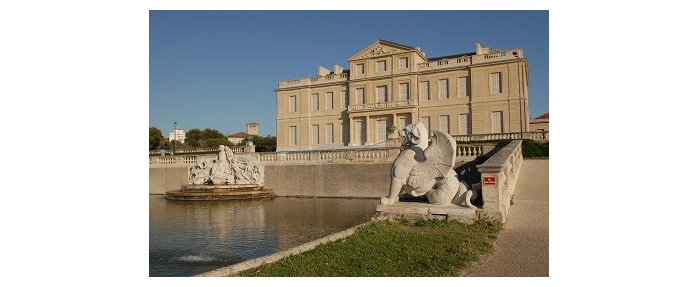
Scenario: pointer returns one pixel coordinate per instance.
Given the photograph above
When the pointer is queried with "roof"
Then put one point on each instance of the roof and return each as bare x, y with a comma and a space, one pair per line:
252, 123
239, 135
542, 117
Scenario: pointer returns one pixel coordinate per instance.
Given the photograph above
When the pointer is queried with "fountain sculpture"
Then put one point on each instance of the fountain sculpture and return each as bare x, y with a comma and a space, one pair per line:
228, 176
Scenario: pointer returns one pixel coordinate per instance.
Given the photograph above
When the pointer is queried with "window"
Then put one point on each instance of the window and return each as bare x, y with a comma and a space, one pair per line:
316, 134
403, 122
497, 121
463, 124
361, 132
316, 102
292, 136
292, 104
425, 122
404, 91
403, 63
380, 66
329, 133
463, 86
424, 91
329, 104
344, 96
496, 83
381, 130
443, 89
443, 124
360, 99
381, 94
360, 69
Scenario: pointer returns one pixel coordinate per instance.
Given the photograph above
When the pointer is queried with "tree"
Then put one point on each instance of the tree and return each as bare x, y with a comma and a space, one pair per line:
154, 137
193, 138
264, 144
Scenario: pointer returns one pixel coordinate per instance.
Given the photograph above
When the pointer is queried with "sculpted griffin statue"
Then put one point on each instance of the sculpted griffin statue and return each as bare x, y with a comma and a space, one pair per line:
427, 170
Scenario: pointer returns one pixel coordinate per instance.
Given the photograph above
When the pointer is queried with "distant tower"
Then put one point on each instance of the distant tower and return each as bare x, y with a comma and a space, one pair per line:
252, 128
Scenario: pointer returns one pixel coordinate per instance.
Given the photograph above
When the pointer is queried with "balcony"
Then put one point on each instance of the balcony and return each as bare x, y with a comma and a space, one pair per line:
383, 106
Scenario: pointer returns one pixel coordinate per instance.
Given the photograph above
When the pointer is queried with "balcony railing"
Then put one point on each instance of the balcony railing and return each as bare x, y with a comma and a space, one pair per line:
537, 136
384, 105
313, 81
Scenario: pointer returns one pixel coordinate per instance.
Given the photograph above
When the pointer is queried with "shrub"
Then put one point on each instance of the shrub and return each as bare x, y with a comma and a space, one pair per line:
531, 148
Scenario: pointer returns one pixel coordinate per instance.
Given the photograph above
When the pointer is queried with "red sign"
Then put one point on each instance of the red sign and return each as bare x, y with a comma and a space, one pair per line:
488, 179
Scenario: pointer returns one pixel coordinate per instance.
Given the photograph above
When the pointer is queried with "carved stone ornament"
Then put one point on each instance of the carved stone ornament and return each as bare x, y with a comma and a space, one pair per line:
424, 169
228, 168
380, 50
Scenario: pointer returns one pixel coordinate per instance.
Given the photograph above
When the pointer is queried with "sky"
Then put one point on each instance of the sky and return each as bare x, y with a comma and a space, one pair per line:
219, 69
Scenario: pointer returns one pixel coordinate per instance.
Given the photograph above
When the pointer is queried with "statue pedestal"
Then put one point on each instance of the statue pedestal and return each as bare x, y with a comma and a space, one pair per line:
419, 210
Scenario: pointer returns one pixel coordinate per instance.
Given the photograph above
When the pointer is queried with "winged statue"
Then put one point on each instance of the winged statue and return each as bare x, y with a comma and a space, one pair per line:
423, 169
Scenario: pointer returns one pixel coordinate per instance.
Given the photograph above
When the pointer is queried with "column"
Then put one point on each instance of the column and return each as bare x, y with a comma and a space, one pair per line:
352, 136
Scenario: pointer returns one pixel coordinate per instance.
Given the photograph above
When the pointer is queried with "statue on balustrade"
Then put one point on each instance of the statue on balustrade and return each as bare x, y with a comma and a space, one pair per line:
423, 170
228, 168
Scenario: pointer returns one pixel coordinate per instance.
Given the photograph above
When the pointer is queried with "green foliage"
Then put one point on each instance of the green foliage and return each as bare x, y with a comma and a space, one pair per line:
264, 144
208, 138
154, 138
531, 148
383, 248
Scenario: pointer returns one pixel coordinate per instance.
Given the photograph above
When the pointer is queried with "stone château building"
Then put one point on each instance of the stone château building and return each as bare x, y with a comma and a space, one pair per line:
389, 84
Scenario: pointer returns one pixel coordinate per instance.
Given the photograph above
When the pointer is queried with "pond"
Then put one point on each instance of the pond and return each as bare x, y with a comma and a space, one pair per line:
192, 237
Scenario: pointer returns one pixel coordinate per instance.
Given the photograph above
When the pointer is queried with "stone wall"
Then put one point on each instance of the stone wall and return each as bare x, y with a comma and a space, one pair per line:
164, 179
365, 180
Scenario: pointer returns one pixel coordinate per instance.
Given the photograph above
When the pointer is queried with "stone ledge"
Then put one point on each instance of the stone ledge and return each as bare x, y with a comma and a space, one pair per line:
418, 210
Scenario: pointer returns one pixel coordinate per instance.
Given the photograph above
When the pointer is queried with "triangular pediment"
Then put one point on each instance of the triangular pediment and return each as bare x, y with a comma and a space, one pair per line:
381, 48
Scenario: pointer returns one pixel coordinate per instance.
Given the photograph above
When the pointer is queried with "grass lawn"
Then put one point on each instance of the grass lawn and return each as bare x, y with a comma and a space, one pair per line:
422, 248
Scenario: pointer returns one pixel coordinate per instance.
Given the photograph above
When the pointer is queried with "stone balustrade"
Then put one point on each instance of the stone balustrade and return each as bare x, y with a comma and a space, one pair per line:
537, 136
463, 152
384, 105
175, 161
235, 149
468, 151
445, 63
499, 175
312, 81
500, 56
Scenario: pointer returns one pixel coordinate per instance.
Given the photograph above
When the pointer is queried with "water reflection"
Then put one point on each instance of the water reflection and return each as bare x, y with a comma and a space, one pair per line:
191, 237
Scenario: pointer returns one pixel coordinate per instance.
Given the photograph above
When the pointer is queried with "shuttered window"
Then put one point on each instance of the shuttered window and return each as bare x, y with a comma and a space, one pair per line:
424, 91
443, 89
497, 121
404, 91
463, 124
496, 83
463, 86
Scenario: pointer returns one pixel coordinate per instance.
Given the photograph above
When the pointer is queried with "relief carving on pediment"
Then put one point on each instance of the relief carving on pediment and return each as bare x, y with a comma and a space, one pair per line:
380, 50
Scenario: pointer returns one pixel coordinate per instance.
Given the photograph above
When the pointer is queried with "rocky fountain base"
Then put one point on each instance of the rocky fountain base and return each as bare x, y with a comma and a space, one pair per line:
219, 192
228, 176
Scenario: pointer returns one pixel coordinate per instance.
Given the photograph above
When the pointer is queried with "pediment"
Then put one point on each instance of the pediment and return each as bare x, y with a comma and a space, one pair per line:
381, 48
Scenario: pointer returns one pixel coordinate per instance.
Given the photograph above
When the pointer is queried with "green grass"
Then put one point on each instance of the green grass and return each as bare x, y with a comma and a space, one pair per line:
383, 248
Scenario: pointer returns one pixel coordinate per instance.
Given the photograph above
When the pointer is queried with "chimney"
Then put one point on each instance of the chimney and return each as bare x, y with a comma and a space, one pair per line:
478, 49
322, 71
338, 69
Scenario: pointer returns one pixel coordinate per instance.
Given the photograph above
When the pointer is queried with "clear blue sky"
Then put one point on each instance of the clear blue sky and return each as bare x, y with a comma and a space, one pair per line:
219, 69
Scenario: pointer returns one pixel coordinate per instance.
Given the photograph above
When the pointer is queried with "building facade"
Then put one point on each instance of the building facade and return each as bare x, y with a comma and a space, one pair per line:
178, 135
393, 85
540, 123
